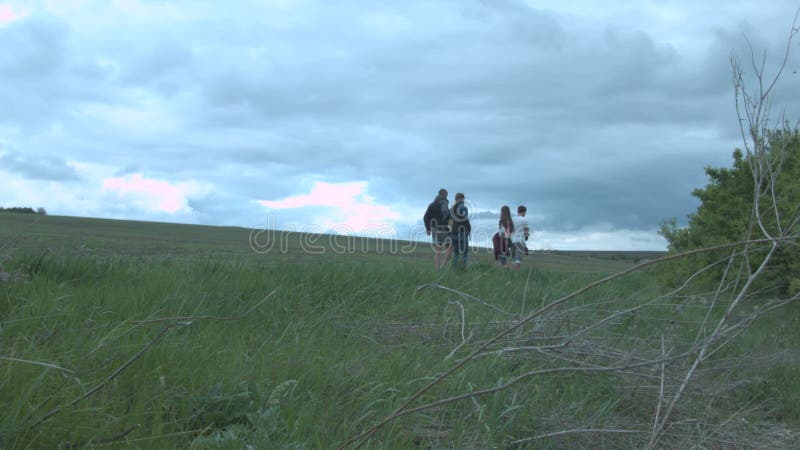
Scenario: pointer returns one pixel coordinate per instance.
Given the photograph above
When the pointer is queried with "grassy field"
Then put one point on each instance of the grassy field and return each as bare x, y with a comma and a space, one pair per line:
122, 334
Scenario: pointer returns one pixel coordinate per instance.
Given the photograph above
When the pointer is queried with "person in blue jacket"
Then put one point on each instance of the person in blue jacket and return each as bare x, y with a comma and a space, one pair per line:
460, 230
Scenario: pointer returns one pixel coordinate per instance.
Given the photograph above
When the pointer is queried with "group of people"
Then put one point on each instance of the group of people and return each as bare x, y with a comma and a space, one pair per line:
450, 230
510, 241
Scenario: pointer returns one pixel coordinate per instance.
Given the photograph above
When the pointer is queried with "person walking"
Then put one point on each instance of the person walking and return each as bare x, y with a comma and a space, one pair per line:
436, 221
460, 231
505, 233
520, 236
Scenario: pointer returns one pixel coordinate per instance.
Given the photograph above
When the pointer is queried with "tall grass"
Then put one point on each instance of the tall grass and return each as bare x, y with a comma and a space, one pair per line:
338, 346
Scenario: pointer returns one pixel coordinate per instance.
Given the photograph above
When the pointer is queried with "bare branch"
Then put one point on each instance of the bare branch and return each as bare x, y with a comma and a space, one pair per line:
198, 431
462, 294
602, 322
113, 375
525, 293
117, 437
401, 410
575, 431
187, 320
708, 342
660, 390
463, 324
534, 373
701, 330
184, 321
792, 33
38, 363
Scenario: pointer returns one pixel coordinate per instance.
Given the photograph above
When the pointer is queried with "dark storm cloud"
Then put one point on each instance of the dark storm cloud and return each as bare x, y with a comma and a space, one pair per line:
33, 49
38, 168
456, 107
586, 115
33, 54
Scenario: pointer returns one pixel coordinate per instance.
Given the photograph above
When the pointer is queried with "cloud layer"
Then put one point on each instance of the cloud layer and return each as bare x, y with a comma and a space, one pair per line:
203, 112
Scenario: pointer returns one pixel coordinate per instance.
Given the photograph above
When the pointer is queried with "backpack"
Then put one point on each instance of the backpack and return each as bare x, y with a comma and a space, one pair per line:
435, 213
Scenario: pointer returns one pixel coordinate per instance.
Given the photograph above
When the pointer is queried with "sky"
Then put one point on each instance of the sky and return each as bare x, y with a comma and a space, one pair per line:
348, 116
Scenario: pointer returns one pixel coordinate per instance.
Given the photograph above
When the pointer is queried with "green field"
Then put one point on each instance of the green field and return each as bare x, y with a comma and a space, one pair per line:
123, 334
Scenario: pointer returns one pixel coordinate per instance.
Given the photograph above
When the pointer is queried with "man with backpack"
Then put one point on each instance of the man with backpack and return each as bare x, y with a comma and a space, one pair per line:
436, 220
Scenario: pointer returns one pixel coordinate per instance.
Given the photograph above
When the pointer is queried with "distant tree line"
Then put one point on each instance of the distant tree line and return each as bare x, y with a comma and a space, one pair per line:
24, 210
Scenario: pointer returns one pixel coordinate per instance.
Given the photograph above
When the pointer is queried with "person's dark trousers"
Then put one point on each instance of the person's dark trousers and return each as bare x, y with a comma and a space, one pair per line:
460, 249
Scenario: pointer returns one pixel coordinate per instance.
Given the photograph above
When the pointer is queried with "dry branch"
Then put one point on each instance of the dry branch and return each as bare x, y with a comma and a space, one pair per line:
108, 440
182, 321
186, 320
38, 363
402, 411
533, 373
113, 375
462, 294
575, 431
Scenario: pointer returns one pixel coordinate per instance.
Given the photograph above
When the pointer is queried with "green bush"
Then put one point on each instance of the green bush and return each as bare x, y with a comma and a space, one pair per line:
726, 214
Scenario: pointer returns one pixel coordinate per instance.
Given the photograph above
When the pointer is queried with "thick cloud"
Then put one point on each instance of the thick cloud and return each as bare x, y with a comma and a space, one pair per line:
41, 168
595, 117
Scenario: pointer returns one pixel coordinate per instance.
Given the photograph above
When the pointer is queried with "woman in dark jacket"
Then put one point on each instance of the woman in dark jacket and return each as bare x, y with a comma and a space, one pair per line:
503, 245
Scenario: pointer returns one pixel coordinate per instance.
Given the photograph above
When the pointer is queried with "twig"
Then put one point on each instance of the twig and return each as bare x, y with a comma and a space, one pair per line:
599, 323
108, 440
707, 344
463, 324
123, 366
725, 422
38, 363
660, 389
730, 332
525, 294
701, 330
113, 375
458, 347
579, 430
530, 374
559, 355
175, 321
638, 307
189, 319
198, 431
362, 437
462, 294
463, 318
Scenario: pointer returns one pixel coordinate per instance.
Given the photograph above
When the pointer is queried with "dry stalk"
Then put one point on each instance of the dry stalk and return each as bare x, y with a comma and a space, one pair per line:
39, 363
575, 431
462, 294
661, 387
113, 375
525, 293
198, 431
463, 324
402, 411
108, 440
182, 321
187, 320
765, 166
534, 373
604, 321
709, 341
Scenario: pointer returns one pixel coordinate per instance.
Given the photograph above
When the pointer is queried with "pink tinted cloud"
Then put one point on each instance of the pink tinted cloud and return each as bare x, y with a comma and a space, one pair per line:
322, 194
154, 194
7, 14
350, 206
